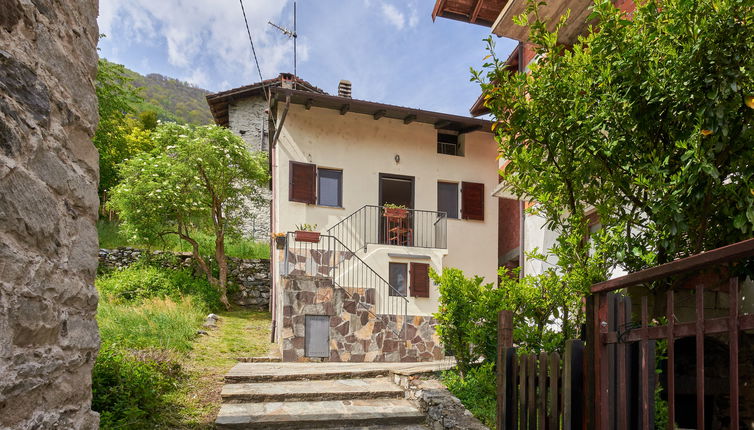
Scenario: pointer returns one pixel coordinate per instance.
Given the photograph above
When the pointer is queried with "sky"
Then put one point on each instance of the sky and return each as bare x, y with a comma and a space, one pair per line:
390, 50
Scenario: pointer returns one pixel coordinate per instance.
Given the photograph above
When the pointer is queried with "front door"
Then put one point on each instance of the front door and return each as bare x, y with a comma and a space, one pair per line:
396, 190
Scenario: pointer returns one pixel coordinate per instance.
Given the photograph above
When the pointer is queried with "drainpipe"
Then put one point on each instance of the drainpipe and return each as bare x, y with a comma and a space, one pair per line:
521, 203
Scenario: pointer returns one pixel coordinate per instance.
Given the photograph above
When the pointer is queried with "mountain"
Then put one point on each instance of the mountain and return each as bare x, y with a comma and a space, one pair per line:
173, 100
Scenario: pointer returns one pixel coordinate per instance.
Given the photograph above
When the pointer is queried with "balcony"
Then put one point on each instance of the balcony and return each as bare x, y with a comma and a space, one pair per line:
392, 226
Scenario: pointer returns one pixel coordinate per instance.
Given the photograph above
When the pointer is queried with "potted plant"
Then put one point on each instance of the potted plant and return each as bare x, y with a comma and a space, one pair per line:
306, 233
395, 211
279, 240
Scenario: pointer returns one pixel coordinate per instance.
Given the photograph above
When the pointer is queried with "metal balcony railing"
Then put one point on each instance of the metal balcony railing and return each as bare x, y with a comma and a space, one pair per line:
392, 226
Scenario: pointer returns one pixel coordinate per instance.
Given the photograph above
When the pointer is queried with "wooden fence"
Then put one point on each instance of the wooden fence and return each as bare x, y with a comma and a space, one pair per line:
541, 392
609, 381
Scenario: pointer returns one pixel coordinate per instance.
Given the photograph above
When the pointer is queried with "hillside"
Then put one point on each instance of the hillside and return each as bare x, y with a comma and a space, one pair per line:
173, 100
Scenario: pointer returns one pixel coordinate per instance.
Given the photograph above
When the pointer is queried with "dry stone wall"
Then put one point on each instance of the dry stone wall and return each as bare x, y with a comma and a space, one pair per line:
356, 334
48, 208
251, 276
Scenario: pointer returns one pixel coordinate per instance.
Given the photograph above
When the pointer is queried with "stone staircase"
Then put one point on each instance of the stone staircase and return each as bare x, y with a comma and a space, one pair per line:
315, 396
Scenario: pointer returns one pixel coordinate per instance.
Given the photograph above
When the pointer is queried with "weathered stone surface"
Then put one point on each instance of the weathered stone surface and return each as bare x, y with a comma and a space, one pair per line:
251, 277
48, 208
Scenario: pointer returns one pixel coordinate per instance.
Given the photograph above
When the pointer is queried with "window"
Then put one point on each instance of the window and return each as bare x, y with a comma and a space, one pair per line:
330, 187
472, 201
398, 279
301, 187
419, 280
447, 198
449, 144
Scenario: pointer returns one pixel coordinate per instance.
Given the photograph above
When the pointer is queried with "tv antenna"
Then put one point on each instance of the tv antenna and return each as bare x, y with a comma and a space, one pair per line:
291, 35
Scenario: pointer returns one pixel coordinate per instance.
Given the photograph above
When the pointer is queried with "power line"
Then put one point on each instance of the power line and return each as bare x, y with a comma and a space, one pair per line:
248, 31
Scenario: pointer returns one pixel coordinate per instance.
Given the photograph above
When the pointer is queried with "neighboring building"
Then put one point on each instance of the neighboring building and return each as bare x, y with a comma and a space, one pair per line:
517, 237
362, 291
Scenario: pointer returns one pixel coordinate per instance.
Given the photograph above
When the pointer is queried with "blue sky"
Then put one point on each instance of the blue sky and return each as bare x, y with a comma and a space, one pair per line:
390, 50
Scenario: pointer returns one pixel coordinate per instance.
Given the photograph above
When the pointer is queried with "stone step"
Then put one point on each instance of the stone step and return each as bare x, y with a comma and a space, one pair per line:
334, 389
329, 414
287, 371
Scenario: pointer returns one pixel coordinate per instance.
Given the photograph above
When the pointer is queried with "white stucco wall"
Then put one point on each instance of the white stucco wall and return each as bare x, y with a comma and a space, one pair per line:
363, 148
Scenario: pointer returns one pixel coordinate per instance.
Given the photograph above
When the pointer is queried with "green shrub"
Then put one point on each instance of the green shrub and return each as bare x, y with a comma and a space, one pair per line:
476, 391
143, 281
155, 323
128, 390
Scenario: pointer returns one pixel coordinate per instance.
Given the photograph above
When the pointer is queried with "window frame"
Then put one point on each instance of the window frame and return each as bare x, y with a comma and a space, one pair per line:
340, 187
391, 293
457, 198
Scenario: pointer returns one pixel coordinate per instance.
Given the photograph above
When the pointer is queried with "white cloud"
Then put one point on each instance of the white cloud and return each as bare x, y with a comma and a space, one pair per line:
394, 16
199, 32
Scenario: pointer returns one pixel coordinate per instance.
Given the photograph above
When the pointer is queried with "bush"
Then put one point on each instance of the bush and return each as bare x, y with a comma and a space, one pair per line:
156, 323
129, 391
467, 317
142, 281
476, 390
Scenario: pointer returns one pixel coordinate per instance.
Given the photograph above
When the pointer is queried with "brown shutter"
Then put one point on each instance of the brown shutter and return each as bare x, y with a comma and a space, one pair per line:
419, 280
472, 201
303, 183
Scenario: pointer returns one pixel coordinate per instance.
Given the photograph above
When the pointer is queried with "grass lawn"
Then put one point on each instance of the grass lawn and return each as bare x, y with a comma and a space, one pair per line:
240, 333
110, 237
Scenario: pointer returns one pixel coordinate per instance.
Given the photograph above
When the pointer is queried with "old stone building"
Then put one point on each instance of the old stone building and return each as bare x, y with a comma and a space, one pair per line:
245, 111
48, 208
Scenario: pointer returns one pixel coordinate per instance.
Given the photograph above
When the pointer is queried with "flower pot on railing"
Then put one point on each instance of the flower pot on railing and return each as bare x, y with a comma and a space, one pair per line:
280, 242
395, 212
307, 236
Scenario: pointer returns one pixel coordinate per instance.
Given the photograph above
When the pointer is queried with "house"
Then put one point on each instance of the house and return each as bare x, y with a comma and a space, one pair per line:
357, 288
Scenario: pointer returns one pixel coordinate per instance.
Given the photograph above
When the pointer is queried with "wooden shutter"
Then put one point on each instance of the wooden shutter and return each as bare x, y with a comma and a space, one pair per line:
419, 280
472, 201
302, 186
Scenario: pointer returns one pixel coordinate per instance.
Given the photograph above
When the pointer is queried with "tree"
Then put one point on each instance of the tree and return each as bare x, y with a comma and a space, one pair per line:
648, 120
116, 96
197, 179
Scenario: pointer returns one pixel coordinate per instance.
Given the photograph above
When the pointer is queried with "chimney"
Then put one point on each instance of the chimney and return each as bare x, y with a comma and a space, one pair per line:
344, 88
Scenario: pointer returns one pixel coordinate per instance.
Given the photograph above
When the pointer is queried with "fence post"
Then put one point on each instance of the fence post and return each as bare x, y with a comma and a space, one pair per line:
504, 356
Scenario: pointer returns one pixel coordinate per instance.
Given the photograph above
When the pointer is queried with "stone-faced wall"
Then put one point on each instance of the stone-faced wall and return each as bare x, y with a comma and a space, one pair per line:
251, 276
247, 118
48, 208
356, 334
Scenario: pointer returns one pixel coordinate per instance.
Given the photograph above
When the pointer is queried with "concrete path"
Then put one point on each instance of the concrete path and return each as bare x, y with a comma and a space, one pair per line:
345, 396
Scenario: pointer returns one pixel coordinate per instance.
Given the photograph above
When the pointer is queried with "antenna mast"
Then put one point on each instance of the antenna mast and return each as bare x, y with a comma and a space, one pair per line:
290, 34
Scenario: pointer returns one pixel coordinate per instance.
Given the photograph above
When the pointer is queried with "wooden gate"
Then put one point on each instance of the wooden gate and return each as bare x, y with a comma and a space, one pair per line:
616, 387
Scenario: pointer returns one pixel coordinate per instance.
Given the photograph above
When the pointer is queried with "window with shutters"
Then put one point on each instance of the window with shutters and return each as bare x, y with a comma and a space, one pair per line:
330, 187
398, 279
472, 201
302, 184
447, 198
419, 280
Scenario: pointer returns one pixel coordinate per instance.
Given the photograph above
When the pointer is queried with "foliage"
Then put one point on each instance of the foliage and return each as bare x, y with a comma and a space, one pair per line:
148, 119
476, 390
645, 120
155, 323
462, 314
129, 391
198, 179
111, 237
141, 281
306, 227
116, 96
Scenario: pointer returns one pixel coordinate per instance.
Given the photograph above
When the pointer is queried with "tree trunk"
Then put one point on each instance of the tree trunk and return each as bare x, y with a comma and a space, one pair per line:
222, 263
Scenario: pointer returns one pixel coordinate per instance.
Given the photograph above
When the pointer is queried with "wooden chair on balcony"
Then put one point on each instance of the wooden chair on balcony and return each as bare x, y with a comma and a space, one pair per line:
399, 231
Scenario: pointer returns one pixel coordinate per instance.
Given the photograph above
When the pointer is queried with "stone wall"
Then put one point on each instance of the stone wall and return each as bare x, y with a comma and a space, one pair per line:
248, 119
252, 277
356, 333
48, 208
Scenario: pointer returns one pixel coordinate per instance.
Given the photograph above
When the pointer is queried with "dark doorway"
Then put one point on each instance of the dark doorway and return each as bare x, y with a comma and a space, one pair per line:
396, 190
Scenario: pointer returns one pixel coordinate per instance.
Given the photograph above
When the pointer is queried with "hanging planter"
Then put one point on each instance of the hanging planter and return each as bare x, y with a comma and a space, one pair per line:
307, 236
395, 212
280, 242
